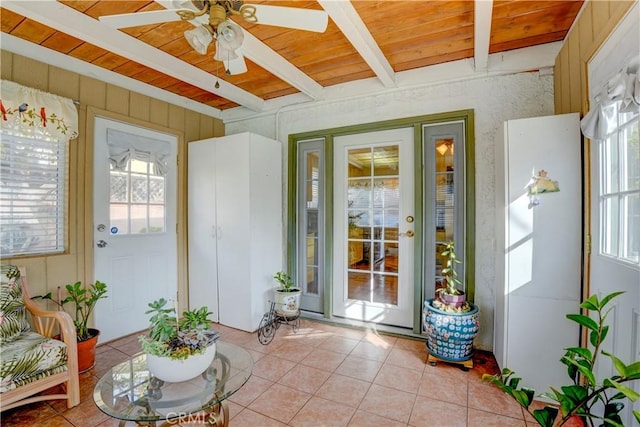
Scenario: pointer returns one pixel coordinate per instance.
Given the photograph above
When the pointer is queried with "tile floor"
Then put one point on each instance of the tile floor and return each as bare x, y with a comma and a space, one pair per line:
324, 375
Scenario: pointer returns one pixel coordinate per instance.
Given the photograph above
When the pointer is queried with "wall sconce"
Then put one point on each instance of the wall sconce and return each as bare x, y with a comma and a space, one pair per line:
444, 145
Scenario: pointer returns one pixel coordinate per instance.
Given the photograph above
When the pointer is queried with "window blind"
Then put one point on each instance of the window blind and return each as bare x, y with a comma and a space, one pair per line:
32, 194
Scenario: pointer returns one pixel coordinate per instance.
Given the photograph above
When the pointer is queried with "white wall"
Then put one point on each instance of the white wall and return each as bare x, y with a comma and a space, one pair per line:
494, 100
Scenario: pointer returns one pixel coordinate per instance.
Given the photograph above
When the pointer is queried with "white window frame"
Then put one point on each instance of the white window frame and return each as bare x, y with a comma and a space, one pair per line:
615, 240
31, 222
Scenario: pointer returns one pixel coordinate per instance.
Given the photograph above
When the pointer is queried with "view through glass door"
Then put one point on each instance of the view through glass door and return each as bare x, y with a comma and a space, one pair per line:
311, 225
374, 227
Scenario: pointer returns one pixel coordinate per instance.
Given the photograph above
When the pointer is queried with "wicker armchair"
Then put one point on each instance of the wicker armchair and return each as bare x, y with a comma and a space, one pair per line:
32, 362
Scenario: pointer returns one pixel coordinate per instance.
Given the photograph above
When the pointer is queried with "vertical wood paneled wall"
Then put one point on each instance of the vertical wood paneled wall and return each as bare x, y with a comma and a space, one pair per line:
596, 22
47, 272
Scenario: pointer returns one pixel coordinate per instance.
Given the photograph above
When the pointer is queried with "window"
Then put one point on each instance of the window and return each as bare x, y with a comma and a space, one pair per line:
445, 148
620, 187
32, 194
35, 128
137, 199
310, 214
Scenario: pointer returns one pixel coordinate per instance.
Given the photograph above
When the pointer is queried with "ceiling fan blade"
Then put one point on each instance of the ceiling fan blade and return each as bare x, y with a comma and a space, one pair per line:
125, 20
236, 65
291, 17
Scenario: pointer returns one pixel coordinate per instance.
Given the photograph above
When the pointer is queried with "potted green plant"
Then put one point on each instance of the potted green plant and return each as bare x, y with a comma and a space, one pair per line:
287, 296
585, 397
178, 349
449, 294
84, 299
450, 322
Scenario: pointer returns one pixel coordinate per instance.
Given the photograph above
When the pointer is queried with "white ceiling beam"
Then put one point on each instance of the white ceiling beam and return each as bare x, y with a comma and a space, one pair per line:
482, 33
49, 56
539, 57
348, 20
273, 62
63, 18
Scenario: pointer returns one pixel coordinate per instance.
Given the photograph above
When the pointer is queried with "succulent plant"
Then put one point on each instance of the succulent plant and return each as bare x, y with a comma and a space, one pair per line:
177, 338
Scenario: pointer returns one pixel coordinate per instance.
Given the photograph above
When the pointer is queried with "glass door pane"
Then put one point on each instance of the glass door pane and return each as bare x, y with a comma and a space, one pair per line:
372, 215
444, 199
311, 248
310, 225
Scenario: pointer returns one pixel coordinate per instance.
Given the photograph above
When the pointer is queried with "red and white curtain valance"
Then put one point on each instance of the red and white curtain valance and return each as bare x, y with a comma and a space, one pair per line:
32, 111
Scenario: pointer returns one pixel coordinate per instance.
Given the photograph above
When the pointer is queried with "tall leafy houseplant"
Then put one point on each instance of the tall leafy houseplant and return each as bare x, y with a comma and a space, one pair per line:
84, 300
450, 322
585, 396
450, 298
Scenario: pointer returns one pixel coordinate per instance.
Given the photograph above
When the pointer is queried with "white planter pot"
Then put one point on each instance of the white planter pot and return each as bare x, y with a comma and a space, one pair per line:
288, 303
173, 371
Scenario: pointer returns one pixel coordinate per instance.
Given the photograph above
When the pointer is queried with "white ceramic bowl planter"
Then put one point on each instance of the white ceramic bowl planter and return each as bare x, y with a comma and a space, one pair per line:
177, 370
288, 302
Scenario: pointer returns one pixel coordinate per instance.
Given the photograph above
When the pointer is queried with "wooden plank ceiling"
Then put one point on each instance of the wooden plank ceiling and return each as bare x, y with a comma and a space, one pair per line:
408, 34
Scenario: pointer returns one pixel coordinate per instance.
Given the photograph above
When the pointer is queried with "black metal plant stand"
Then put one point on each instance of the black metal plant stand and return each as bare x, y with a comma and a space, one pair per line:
272, 320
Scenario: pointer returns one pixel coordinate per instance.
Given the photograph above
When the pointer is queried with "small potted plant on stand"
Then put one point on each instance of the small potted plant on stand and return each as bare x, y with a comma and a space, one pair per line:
178, 349
287, 296
84, 300
586, 400
450, 322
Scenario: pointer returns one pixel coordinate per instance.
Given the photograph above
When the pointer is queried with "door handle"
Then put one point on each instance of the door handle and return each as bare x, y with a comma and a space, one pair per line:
101, 243
409, 233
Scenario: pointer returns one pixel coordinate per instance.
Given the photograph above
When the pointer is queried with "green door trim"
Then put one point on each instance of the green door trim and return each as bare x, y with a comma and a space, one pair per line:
417, 122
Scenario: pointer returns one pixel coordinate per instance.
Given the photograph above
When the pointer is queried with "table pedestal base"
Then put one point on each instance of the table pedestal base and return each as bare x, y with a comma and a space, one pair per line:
216, 416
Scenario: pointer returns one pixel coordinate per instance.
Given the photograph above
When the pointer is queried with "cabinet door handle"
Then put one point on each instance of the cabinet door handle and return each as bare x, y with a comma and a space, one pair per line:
219, 232
213, 231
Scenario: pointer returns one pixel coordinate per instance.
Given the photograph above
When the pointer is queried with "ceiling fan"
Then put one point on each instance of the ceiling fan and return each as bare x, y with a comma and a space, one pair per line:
212, 21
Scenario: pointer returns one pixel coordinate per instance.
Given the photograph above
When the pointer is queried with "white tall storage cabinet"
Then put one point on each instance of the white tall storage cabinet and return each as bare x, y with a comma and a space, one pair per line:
235, 226
539, 248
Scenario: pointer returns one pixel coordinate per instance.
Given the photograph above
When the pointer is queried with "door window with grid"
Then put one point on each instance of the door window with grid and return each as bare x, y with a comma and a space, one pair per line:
136, 199
619, 197
137, 168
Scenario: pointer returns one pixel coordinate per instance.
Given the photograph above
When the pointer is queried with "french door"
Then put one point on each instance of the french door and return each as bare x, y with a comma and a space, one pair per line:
373, 228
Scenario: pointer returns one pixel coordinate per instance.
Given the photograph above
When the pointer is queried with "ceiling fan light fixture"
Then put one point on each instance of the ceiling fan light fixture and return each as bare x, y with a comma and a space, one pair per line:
199, 39
223, 54
217, 15
229, 35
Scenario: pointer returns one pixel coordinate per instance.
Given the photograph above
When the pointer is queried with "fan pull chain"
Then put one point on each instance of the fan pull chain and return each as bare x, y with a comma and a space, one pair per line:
217, 85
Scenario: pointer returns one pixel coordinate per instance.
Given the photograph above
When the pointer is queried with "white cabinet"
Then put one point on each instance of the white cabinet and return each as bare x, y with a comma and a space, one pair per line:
235, 226
539, 248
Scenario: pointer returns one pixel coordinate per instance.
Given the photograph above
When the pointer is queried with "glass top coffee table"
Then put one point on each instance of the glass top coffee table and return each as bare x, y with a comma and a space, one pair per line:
128, 392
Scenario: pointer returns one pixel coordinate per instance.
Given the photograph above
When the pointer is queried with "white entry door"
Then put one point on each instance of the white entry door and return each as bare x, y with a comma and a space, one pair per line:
134, 226
615, 207
374, 227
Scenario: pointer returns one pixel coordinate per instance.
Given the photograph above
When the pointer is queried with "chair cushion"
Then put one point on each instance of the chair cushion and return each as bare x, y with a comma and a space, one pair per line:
30, 357
13, 317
